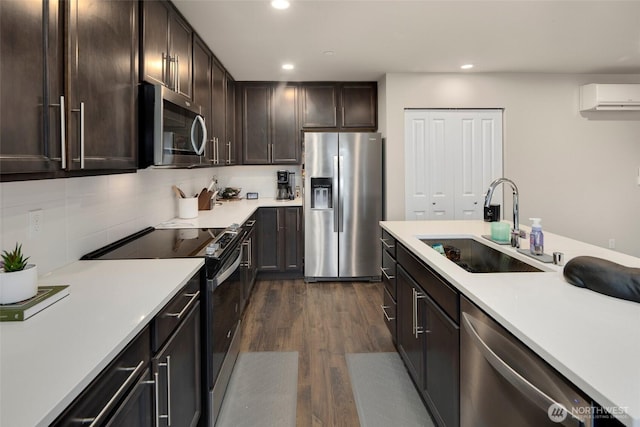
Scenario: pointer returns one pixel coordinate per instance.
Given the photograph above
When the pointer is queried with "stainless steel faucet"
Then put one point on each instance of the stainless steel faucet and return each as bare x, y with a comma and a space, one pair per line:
515, 232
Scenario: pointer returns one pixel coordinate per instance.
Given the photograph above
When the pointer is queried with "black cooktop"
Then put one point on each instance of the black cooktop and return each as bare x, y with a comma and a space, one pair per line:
158, 243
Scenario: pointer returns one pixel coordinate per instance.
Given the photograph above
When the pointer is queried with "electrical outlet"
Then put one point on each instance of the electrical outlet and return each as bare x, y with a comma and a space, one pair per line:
612, 243
36, 223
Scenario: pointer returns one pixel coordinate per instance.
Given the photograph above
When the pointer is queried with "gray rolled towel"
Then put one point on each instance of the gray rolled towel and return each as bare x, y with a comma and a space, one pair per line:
604, 276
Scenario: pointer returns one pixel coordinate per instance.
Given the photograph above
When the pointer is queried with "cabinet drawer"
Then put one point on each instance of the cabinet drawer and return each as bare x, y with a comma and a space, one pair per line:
389, 273
388, 243
174, 312
105, 394
445, 296
389, 313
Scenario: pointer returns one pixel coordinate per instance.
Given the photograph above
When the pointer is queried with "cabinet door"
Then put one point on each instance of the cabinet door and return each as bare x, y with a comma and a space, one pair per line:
180, 48
269, 245
102, 129
256, 120
177, 369
31, 81
358, 106
442, 364
411, 314
219, 109
230, 127
291, 235
319, 106
202, 60
155, 41
285, 139
137, 409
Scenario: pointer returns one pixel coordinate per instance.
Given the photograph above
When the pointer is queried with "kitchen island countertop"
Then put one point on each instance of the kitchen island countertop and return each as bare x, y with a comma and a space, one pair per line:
591, 338
227, 213
47, 360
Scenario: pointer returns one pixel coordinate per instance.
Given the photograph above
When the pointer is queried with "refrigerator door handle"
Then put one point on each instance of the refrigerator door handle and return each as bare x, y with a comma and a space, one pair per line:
336, 200
340, 195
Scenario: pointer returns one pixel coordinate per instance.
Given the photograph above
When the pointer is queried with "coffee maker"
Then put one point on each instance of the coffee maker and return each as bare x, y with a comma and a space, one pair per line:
285, 184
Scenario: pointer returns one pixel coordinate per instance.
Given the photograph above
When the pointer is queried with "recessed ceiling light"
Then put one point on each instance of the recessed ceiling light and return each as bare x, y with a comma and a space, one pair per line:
280, 4
467, 66
287, 66
329, 52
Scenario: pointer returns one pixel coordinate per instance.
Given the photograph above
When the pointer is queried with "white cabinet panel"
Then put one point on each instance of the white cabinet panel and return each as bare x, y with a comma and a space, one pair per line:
451, 157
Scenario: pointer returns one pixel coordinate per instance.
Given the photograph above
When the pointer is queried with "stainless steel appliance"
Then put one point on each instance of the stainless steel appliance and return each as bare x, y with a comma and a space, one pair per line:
221, 290
285, 181
173, 131
343, 205
503, 383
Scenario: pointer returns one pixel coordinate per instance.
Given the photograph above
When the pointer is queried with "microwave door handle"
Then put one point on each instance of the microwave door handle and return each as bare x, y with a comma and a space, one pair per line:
530, 391
198, 150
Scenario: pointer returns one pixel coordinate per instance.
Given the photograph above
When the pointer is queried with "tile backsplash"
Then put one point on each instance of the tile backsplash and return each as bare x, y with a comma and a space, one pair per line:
84, 214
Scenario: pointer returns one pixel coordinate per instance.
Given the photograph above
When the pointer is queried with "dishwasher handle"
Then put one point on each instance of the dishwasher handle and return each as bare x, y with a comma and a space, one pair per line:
530, 391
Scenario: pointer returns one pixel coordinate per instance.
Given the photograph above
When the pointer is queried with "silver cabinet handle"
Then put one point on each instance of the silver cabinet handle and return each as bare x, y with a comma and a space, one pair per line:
63, 133
177, 76
157, 398
384, 271
386, 316
249, 245
99, 419
534, 394
165, 59
81, 111
245, 250
166, 416
229, 152
417, 329
194, 297
386, 245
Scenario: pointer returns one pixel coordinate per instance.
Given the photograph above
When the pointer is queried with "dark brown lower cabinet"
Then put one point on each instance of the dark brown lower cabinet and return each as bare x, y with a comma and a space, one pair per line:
428, 342
280, 240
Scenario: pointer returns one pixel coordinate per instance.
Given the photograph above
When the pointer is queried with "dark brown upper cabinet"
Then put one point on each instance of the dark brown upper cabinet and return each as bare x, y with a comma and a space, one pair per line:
167, 47
102, 108
88, 124
31, 116
218, 130
349, 106
202, 88
231, 153
270, 124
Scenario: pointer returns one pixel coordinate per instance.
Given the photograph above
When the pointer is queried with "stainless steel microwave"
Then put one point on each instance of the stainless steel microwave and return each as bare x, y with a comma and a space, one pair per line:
173, 132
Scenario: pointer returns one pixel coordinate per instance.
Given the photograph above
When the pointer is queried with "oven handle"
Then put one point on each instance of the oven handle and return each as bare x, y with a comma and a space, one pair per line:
224, 275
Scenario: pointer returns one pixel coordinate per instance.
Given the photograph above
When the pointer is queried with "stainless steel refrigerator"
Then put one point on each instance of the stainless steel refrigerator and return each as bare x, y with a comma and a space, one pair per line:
342, 205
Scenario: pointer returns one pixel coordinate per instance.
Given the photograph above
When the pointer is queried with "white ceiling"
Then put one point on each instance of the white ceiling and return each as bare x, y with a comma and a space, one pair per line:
371, 38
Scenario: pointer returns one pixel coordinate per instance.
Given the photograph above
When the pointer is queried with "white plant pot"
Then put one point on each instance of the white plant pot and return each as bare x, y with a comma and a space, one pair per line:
18, 285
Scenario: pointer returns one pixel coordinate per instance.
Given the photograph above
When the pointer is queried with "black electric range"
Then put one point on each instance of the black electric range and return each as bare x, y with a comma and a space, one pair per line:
220, 289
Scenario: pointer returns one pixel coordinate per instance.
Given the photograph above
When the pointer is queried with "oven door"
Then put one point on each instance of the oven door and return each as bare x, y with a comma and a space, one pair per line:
224, 293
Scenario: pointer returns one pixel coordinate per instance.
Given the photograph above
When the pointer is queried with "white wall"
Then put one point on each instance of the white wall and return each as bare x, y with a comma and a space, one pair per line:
577, 171
84, 214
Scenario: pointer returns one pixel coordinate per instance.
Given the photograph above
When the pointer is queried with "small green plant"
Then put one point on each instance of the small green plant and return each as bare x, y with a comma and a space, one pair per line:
14, 260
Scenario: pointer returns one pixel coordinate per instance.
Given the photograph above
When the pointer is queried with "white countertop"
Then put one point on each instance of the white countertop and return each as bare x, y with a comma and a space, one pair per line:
591, 338
48, 359
227, 213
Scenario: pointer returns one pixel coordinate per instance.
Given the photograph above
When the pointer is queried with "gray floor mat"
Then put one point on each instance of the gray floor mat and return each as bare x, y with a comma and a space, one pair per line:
263, 391
383, 391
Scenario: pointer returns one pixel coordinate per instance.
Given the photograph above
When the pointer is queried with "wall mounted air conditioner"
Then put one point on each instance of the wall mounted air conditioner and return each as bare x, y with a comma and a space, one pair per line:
610, 97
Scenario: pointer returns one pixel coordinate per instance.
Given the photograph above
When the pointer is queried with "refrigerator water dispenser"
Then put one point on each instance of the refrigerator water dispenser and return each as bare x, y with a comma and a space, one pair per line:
321, 195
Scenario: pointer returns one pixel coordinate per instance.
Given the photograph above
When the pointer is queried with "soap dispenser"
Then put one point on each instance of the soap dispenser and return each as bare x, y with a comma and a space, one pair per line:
536, 238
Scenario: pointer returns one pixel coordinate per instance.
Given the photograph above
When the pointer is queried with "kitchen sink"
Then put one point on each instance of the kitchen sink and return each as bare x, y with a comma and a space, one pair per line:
476, 257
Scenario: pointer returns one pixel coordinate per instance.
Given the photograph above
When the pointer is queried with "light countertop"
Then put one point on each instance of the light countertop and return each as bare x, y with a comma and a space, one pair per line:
48, 359
227, 213
591, 338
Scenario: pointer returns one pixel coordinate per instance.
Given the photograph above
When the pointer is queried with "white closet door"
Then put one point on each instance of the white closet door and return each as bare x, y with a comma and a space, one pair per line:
478, 159
451, 157
416, 199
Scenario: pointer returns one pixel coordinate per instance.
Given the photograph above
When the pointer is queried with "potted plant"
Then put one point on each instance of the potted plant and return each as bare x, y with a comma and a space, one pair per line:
18, 280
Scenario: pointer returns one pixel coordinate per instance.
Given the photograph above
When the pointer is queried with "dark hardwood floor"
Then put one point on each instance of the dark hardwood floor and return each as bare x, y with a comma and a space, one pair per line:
322, 322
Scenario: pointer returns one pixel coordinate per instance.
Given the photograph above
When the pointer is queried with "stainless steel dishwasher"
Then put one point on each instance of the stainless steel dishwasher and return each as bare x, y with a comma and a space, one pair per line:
503, 383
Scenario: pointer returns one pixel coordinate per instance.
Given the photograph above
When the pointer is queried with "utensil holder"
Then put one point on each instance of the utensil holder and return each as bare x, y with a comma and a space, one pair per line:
204, 200
188, 208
